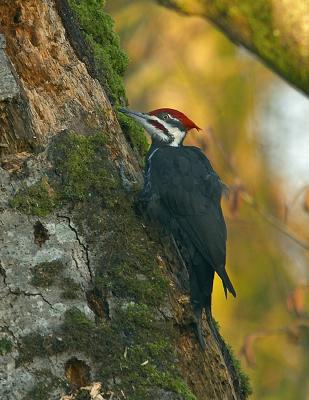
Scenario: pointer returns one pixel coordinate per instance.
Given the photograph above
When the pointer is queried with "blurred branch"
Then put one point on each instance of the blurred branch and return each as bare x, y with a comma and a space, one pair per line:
275, 222
296, 304
292, 331
296, 300
249, 199
291, 204
267, 28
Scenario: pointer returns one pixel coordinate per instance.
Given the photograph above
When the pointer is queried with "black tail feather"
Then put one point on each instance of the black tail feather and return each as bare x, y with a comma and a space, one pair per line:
227, 284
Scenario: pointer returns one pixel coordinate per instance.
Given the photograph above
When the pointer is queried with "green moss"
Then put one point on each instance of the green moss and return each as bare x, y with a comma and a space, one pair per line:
39, 199
142, 355
168, 382
81, 162
244, 381
75, 317
111, 61
71, 289
46, 382
138, 320
80, 167
84, 178
5, 346
134, 133
44, 274
259, 28
83, 395
245, 385
40, 391
30, 346
149, 362
258, 25
124, 278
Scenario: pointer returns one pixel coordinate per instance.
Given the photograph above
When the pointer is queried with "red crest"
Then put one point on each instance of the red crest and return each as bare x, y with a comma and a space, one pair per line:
187, 122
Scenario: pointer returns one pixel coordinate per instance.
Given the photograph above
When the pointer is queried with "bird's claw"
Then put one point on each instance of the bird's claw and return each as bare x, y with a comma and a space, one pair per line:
200, 336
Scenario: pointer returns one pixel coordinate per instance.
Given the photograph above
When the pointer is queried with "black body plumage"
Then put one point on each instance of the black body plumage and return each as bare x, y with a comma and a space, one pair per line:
183, 192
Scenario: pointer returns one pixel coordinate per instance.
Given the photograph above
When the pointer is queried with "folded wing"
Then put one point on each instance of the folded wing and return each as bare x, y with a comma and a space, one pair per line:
190, 191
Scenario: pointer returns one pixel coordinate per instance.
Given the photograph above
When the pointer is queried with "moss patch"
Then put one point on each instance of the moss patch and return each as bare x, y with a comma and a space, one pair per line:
46, 382
142, 360
82, 164
44, 274
71, 289
83, 395
142, 355
134, 133
243, 381
39, 199
134, 346
48, 273
80, 174
5, 346
258, 25
30, 346
111, 61
128, 279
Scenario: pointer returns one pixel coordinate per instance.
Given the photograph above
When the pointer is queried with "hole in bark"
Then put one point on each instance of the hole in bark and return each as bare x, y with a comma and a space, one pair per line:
17, 16
98, 304
40, 233
77, 373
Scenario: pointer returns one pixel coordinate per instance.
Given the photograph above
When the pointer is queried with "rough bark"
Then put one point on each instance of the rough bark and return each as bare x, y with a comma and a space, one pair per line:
275, 30
88, 294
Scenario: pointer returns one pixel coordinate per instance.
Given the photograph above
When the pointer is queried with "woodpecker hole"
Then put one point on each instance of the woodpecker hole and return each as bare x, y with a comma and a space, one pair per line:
40, 233
77, 372
17, 19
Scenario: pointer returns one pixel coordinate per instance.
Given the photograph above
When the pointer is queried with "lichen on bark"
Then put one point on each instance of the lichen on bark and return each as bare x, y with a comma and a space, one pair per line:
126, 277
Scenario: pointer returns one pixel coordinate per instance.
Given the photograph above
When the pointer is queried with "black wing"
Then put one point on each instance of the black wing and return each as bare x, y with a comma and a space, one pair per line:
190, 193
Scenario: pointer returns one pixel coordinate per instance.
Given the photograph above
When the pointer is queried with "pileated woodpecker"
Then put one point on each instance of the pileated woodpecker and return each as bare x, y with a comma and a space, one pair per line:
183, 192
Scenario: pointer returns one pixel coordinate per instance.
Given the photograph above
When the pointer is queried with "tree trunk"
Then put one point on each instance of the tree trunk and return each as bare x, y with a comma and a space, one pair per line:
91, 303
275, 30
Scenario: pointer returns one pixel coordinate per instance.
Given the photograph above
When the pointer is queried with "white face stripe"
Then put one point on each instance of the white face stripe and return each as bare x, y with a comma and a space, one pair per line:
152, 130
170, 117
177, 134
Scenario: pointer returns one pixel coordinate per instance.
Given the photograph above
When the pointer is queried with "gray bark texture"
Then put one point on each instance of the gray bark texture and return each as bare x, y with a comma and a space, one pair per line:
93, 305
274, 30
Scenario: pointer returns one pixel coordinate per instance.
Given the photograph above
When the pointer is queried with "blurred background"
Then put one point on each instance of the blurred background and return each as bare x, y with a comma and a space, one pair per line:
255, 132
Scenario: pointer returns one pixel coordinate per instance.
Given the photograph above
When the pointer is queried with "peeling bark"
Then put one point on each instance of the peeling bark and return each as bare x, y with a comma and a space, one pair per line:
88, 294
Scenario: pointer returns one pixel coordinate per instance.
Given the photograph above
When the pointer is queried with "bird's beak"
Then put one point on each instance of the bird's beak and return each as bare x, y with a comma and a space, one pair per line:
142, 118
134, 114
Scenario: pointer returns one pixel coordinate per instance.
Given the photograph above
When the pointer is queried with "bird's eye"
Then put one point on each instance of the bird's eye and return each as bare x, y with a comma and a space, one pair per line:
165, 116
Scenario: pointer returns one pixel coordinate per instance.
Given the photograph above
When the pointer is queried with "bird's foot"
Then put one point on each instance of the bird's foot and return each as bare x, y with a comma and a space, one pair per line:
199, 334
198, 325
